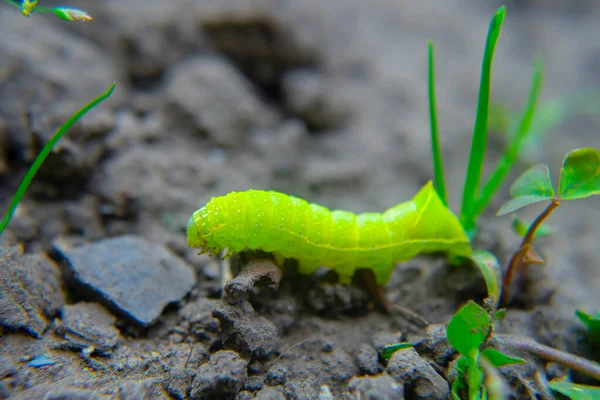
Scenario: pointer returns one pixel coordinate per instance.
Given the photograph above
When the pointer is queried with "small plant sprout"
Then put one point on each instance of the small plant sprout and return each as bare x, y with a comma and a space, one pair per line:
45, 152
476, 200
27, 8
579, 178
468, 332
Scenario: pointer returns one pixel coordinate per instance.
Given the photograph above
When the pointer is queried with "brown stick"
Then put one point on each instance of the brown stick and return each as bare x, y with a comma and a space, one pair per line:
580, 364
516, 260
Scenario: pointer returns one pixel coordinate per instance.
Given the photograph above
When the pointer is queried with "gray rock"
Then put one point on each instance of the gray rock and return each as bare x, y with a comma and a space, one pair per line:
244, 331
368, 359
419, 378
218, 98
85, 325
435, 343
132, 276
30, 291
380, 387
224, 374
269, 393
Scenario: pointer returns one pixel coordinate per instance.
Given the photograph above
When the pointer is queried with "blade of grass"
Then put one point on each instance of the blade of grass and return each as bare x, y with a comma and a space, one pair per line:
438, 164
512, 153
479, 140
45, 152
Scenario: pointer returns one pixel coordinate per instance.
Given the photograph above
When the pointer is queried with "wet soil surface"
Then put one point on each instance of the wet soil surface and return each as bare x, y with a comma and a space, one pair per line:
100, 295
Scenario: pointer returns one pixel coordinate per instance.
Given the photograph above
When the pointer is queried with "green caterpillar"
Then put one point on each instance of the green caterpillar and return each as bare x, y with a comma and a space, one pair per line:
290, 227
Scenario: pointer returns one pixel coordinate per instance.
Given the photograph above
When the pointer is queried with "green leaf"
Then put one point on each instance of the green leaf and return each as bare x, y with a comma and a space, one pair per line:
535, 181
388, 350
518, 203
498, 315
492, 272
521, 228
580, 174
533, 186
593, 324
479, 140
499, 359
575, 391
469, 328
438, 164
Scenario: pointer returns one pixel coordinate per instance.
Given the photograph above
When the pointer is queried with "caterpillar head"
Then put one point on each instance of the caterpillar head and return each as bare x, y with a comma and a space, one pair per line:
200, 235
194, 238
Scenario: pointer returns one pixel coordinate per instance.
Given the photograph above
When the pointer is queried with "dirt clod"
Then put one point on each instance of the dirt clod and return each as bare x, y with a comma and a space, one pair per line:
244, 331
88, 325
380, 387
224, 374
417, 376
30, 291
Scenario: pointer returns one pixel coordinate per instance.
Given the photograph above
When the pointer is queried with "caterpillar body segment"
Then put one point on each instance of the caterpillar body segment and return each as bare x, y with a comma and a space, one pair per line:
290, 227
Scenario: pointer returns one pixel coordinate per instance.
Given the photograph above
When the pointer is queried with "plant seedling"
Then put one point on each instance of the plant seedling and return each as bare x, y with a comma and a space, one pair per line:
468, 332
27, 7
45, 152
579, 178
476, 200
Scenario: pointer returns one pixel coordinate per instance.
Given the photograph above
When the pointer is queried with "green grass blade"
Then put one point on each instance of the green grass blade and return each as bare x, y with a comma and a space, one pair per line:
479, 141
512, 153
438, 164
45, 152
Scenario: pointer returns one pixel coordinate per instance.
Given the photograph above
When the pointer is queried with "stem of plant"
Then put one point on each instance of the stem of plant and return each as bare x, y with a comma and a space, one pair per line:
516, 262
576, 363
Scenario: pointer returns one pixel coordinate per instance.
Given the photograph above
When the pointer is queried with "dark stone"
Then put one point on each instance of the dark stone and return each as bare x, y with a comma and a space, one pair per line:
380, 387
30, 291
224, 374
85, 325
419, 378
244, 331
132, 276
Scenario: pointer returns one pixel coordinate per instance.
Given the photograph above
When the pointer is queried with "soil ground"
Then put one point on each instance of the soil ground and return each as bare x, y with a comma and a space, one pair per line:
323, 100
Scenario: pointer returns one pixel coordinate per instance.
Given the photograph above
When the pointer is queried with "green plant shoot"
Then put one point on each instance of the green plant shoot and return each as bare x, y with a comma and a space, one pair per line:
579, 178
45, 152
478, 144
27, 7
468, 332
438, 164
